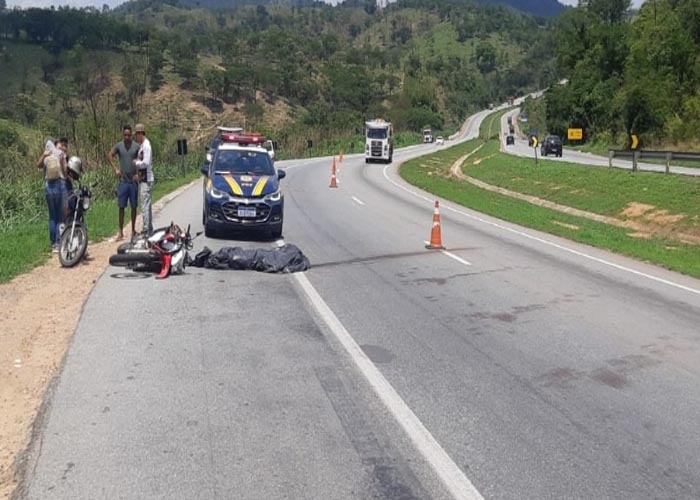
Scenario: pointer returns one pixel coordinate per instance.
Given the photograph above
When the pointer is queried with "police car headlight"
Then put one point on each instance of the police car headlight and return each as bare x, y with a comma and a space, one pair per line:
86, 203
276, 196
215, 193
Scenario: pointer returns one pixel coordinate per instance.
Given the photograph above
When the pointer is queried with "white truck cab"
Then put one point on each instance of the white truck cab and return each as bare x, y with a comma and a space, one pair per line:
379, 141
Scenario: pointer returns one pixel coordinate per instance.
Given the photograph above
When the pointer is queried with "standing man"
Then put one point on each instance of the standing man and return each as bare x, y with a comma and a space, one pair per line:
126, 150
144, 164
53, 165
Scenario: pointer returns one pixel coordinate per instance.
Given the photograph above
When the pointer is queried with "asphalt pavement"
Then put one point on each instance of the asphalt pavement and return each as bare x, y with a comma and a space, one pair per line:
511, 365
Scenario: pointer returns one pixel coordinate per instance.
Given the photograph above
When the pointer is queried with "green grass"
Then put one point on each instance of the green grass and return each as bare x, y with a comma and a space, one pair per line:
26, 246
605, 191
595, 189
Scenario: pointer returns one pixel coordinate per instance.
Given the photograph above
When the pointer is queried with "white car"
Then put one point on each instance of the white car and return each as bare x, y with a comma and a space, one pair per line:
439, 140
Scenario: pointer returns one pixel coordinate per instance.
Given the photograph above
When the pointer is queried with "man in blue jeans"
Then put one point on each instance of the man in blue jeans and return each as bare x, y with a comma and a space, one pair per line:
127, 150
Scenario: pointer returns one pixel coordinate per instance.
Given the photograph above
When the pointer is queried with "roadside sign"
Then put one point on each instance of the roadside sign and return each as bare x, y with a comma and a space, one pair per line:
575, 134
635, 141
534, 141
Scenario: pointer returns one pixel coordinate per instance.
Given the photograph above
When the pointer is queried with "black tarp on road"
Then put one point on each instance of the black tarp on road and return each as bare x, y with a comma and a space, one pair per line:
285, 259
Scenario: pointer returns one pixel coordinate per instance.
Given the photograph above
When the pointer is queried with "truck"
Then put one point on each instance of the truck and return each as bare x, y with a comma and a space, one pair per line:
379, 141
427, 136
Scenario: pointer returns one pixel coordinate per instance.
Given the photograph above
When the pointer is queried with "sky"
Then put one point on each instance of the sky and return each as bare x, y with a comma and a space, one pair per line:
114, 3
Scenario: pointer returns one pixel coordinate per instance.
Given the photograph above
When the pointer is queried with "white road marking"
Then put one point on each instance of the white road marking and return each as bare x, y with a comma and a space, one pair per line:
449, 473
452, 256
545, 242
358, 201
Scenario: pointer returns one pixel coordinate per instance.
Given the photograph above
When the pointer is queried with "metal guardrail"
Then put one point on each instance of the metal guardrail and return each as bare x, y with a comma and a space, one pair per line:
640, 154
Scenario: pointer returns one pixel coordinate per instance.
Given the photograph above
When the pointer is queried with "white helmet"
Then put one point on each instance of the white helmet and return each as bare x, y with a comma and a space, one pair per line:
75, 165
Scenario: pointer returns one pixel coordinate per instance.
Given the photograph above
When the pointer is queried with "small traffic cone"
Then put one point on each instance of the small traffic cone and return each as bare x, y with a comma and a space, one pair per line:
340, 158
334, 180
435, 233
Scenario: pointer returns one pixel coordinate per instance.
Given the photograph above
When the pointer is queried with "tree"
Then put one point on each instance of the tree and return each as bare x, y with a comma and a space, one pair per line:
214, 82
485, 56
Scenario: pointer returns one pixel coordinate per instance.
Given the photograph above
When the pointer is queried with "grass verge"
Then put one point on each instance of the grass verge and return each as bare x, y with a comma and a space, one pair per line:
598, 190
25, 246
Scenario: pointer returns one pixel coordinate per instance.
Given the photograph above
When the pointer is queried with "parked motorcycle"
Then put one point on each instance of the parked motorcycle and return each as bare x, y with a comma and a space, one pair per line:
73, 241
164, 252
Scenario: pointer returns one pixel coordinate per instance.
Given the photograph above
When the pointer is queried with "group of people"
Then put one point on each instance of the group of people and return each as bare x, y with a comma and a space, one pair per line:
134, 170
135, 173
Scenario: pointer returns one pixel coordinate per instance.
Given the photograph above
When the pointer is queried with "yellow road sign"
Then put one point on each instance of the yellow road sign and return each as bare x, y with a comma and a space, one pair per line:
534, 141
575, 134
635, 141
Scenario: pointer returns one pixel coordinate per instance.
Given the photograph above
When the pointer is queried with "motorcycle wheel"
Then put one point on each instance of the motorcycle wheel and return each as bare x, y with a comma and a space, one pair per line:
72, 250
140, 261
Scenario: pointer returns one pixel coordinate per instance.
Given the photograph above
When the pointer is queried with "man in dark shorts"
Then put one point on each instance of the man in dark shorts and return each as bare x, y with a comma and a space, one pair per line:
128, 191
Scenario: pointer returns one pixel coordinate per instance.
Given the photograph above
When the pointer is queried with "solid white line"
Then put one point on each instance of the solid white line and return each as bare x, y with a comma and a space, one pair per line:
358, 201
545, 242
452, 256
449, 473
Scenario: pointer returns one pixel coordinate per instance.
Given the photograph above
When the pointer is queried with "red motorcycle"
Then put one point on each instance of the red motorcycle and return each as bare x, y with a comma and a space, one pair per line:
164, 252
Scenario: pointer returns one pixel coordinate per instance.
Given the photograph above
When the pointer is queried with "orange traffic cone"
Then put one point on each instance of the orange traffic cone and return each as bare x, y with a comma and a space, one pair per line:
340, 158
334, 180
435, 233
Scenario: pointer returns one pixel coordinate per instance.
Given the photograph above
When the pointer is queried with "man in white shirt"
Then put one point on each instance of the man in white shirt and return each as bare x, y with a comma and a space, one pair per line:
144, 164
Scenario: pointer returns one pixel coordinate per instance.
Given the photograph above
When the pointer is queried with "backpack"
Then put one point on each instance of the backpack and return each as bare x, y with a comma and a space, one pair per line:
53, 167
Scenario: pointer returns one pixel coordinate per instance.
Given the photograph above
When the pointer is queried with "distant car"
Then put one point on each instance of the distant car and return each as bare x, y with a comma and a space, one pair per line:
510, 140
439, 140
551, 145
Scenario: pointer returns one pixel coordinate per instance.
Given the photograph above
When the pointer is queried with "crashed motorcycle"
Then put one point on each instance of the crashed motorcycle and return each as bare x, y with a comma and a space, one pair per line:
164, 252
73, 241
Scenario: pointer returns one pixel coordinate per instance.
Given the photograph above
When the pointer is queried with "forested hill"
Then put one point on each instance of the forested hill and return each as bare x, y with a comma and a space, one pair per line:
295, 73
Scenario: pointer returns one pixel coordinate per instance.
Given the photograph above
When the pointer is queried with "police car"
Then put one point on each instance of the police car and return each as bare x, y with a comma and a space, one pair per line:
242, 188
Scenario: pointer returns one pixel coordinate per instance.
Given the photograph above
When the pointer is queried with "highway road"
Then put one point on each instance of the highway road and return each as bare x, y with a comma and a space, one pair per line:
512, 365
520, 148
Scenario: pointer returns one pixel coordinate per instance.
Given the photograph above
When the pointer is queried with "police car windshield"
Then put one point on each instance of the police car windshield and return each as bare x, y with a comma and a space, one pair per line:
243, 162
376, 133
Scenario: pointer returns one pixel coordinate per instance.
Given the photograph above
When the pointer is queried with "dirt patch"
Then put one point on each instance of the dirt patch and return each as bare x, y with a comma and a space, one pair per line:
655, 221
39, 318
663, 218
635, 209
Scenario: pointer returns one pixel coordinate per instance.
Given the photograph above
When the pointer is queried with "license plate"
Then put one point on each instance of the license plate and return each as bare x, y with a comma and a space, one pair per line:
246, 211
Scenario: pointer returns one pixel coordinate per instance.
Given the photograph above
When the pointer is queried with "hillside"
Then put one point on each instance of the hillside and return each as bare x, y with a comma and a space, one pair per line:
295, 73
